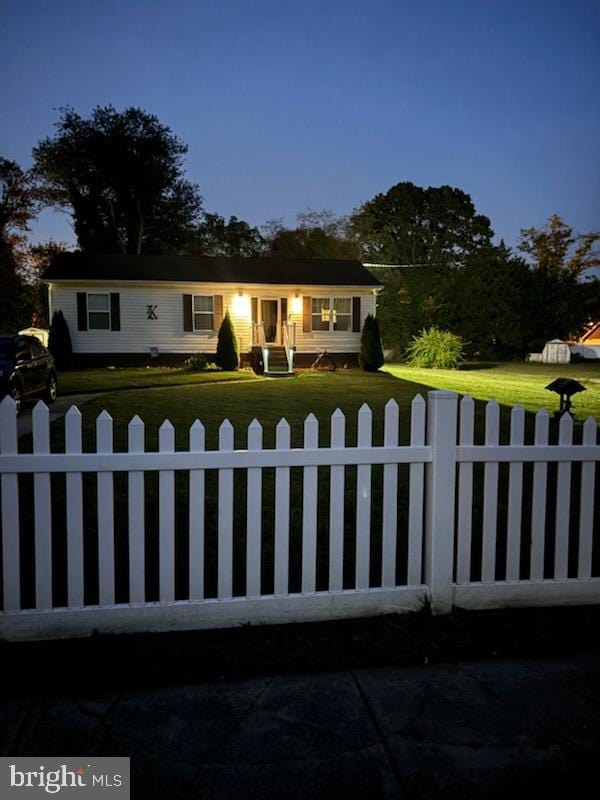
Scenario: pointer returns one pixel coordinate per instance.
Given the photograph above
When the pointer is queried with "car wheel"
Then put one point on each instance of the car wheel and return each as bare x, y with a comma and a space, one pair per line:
17, 396
51, 389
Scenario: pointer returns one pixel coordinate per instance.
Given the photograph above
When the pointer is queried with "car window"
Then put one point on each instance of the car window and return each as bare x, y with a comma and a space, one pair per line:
23, 353
36, 348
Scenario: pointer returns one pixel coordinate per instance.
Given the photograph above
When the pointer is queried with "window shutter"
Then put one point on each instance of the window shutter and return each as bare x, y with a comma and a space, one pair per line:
307, 314
356, 315
217, 311
115, 312
284, 316
254, 305
188, 321
82, 311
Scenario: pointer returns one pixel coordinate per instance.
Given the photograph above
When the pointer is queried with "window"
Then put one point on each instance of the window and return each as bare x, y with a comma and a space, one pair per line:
332, 313
320, 313
342, 314
98, 312
36, 347
203, 313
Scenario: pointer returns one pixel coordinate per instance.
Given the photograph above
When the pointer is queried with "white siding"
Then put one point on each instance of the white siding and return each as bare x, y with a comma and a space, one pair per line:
138, 334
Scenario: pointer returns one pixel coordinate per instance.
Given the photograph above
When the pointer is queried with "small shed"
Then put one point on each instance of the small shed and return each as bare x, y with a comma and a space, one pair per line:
40, 333
556, 352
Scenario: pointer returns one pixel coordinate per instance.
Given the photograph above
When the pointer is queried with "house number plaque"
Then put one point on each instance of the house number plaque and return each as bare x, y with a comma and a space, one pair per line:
151, 312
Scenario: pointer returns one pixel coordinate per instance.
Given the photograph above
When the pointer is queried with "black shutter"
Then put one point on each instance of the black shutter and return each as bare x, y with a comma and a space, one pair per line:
82, 311
254, 307
115, 312
284, 314
356, 315
307, 314
188, 322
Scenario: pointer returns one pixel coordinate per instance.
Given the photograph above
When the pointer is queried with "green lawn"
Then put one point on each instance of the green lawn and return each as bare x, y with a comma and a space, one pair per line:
511, 383
104, 379
269, 400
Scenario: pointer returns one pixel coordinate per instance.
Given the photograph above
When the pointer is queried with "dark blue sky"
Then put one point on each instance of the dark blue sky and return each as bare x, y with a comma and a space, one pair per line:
288, 104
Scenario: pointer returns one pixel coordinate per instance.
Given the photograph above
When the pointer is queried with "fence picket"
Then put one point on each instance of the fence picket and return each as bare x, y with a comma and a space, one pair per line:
282, 514
363, 501
417, 494
538, 503
106, 515
136, 516
465, 494
390, 499
490, 495
75, 587
586, 506
309, 509
225, 524
515, 498
196, 515
254, 514
563, 503
336, 507
42, 510
166, 517
11, 559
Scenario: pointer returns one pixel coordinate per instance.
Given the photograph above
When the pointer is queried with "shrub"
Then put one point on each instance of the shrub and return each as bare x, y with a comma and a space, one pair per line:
59, 341
371, 355
196, 362
435, 349
227, 348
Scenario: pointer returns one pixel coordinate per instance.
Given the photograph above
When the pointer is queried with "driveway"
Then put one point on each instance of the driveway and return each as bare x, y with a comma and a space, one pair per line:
57, 409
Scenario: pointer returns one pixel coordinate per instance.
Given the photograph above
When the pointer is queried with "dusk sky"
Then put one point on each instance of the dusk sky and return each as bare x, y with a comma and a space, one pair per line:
288, 105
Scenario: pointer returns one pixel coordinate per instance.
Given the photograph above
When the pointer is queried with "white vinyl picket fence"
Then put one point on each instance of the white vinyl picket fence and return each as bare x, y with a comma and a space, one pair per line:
347, 530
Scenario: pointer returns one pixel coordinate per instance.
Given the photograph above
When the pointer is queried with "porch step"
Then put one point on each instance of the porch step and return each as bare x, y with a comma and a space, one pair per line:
278, 363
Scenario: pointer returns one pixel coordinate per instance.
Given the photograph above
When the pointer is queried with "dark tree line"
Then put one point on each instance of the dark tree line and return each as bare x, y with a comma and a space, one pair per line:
121, 177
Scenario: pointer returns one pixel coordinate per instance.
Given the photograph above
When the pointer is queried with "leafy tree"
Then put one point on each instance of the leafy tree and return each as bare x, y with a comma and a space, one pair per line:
557, 247
121, 176
18, 205
215, 237
412, 225
371, 355
59, 341
319, 234
227, 348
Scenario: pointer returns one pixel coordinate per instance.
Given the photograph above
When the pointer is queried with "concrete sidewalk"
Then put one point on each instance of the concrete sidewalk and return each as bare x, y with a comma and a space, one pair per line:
57, 410
472, 730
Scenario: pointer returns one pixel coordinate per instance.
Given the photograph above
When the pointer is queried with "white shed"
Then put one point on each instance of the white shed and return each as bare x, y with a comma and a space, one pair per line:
556, 352
39, 333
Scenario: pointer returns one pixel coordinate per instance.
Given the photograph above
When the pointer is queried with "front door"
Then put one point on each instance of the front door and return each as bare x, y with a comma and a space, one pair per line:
268, 310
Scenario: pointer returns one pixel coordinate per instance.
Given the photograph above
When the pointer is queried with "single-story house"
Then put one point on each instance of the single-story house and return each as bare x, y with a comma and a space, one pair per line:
131, 309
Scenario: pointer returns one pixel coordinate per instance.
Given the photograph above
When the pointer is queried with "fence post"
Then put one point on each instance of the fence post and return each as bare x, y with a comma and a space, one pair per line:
440, 498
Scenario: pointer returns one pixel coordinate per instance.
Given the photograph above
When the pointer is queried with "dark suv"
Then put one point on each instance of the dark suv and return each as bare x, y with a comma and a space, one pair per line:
26, 369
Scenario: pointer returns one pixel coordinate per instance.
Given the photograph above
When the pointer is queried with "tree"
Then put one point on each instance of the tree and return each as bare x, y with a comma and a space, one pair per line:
215, 237
227, 349
556, 247
18, 205
319, 234
371, 355
412, 225
59, 341
121, 176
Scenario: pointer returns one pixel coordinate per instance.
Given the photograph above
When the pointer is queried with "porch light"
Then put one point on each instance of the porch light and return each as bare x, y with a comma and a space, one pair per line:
240, 305
296, 303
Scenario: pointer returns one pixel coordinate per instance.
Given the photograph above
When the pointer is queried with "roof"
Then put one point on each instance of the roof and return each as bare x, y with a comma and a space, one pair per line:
208, 269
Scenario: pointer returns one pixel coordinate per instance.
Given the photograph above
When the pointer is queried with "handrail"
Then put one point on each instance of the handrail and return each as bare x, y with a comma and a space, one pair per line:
289, 342
258, 335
